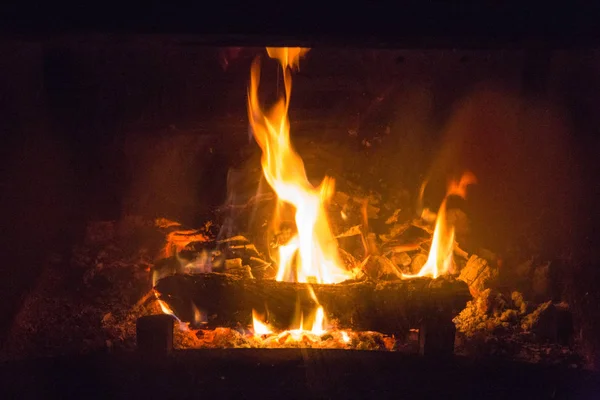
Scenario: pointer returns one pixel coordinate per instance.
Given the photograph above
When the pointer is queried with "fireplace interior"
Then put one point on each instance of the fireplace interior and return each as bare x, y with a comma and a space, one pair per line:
316, 220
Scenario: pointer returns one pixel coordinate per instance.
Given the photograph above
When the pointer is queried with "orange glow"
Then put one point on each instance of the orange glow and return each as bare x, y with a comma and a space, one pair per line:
440, 260
312, 255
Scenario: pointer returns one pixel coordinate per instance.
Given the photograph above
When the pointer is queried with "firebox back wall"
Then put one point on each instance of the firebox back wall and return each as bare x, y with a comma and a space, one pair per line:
98, 128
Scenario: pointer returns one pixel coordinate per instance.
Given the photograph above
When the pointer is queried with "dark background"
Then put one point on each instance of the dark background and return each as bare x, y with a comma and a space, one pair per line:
106, 111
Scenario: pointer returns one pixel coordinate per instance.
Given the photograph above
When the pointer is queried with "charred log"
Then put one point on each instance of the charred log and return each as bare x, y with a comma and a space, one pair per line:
387, 307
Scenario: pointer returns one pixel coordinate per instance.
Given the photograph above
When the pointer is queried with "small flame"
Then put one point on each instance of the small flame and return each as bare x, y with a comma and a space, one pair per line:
165, 307
167, 310
440, 260
311, 255
259, 327
318, 327
200, 317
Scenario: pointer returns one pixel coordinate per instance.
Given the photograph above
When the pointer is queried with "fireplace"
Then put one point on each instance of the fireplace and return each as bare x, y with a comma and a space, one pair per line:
256, 204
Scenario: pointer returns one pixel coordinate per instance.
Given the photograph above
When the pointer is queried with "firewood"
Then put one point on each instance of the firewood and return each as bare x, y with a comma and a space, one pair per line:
478, 274
388, 307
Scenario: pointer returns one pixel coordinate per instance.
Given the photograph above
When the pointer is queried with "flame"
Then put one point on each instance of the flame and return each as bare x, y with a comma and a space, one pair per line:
259, 327
311, 255
183, 326
318, 327
165, 307
440, 260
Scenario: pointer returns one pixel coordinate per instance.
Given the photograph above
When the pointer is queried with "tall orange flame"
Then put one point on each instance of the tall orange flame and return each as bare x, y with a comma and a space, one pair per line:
311, 255
440, 260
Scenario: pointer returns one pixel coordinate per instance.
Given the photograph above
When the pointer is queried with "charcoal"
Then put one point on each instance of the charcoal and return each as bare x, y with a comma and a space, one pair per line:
402, 259
233, 264
382, 268
543, 321
244, 251
478, 274
200, 246
235, 241
417, 263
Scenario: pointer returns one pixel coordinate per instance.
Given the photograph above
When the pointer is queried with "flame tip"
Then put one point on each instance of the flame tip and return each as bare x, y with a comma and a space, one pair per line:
440, 258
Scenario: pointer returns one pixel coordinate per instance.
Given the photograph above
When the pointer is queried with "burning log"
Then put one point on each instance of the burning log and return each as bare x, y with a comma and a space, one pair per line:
387, 307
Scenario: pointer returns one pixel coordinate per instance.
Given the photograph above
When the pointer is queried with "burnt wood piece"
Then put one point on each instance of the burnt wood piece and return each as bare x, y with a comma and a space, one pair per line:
387, 307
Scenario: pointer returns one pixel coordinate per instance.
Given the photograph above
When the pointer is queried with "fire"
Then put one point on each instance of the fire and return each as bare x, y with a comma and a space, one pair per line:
440, 260
165, 308
318, 327
312, 255
259, 327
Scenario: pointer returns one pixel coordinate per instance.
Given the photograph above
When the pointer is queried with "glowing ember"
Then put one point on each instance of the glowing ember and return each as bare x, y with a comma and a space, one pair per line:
177, 240
345, 337
440, 260
311, 255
